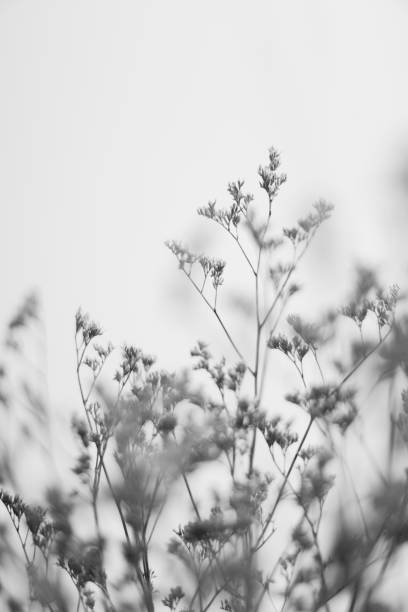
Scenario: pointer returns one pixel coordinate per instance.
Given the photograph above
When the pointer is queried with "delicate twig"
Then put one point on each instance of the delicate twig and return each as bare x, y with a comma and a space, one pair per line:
220, 321
282, 488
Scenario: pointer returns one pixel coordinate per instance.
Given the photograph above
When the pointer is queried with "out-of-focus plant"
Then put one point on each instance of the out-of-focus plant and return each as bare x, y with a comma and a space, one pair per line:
142, 532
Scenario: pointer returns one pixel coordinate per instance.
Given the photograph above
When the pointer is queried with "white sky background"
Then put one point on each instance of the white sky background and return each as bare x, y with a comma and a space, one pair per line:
118, 119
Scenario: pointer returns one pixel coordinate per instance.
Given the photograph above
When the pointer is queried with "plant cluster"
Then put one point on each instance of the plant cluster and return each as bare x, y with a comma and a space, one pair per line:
271, 535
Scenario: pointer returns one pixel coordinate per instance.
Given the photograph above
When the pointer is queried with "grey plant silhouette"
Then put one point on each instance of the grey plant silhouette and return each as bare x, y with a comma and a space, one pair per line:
142, 531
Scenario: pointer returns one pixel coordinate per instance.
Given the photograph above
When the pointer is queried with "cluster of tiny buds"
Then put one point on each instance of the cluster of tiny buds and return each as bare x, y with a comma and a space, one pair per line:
382, 306
212, 267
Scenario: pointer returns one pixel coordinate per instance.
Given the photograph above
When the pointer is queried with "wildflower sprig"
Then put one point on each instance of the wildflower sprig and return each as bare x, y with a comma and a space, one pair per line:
270, 179
329, 402
174, 597
224, 378
279, 433
35, 534
211, 267
382, 306
231, 217
295, 349
214, 268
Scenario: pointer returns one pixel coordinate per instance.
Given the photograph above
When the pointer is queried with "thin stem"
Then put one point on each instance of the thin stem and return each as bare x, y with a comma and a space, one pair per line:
244, 253
258, 337
271, 332
156, 520
29, 563
278, 295
314, 353
117, 503
363, 359
215, 595
220, 321
282, 488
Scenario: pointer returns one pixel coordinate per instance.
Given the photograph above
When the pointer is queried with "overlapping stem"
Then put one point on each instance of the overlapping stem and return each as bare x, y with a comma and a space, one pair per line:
144, 579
